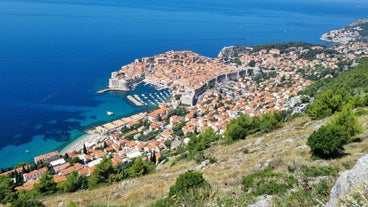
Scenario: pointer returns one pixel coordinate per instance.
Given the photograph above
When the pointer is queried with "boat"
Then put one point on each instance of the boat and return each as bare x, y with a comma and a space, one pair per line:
110, 113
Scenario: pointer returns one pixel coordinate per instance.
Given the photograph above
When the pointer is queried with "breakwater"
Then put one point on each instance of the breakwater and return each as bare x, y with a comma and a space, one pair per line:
134, 101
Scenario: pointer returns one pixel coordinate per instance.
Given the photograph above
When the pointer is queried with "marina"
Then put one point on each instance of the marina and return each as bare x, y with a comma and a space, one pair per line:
150, 99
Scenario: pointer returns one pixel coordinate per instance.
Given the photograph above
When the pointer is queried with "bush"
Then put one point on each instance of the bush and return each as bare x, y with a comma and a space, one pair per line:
268, 183
186, 181
327, 141
318, 171
349, 122
245, 125
190, 189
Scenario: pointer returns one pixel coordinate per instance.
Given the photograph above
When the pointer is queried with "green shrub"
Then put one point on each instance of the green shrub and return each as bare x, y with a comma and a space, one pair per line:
190, 189
318, 171
268, 183
327, 141
186, 181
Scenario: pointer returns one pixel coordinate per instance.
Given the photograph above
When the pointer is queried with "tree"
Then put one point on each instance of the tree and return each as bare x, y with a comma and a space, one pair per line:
328, 102
349, 122
27, 202
101, 173
140, 167
270, 121
202, 141
27, 198
72, 184
188, 181
46, 185
240, 128
85, 149
327, 140
252, 63
168, 143
7, 193
177, 129
153, 157
177, 96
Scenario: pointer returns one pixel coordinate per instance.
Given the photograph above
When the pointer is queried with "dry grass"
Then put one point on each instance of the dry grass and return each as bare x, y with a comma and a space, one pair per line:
278, 149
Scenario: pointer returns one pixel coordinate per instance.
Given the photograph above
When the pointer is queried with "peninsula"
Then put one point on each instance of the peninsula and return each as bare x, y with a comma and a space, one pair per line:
355, 32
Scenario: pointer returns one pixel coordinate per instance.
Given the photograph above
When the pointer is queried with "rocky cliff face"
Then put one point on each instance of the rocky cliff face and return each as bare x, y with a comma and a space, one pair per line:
348, 180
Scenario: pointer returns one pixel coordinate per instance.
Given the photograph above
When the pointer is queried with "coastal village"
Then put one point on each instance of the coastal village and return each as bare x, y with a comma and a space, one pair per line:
206, 92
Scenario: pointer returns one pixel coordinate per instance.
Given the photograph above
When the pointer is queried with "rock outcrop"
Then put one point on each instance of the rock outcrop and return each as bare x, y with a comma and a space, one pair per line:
348, 180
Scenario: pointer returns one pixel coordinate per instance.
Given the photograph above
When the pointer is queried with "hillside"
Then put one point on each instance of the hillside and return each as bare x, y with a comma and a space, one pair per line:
283, 149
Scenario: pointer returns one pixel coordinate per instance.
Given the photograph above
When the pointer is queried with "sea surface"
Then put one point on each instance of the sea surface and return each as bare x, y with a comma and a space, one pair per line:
55, 54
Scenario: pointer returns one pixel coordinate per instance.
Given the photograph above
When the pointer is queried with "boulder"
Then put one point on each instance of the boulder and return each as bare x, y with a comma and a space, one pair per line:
348, 180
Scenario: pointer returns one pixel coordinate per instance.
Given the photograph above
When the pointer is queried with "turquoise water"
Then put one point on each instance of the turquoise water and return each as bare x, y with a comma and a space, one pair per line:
55, 54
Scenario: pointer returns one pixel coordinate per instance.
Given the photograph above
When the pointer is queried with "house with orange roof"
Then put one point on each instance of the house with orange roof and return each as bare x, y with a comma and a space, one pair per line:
59, 178
73, 154
75, 167
27, 185
87, 171
48, 157
155, 125
18, 170
166, 135
132, 123
34, 174
117, 159
140, 146
59, 168
98, 154
131, 144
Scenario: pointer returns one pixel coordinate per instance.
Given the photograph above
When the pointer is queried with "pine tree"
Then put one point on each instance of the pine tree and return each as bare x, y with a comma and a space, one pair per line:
153, 158
84, 149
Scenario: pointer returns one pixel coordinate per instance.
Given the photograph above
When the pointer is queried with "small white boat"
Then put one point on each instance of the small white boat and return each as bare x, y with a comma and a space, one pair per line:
110, 113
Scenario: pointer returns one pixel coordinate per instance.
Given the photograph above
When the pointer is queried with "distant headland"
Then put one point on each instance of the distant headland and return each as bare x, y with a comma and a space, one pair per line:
355, 32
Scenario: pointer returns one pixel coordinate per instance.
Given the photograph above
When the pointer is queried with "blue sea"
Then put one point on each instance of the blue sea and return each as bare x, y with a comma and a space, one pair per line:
55, 54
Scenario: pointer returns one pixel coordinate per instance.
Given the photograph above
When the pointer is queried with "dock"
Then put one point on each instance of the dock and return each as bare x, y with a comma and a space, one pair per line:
134, 101
103, 90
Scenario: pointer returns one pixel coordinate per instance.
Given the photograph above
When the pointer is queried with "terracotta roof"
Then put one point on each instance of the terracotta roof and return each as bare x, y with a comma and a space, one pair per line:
28, 185
58, 178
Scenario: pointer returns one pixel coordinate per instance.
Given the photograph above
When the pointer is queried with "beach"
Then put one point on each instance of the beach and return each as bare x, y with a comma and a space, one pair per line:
87, 139
97, 134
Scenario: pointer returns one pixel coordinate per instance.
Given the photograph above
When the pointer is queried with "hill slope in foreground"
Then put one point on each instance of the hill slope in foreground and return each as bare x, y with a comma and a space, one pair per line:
283, 150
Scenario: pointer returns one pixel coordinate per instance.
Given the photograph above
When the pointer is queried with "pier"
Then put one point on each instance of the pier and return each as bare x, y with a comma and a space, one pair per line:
134, 101
103, 90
